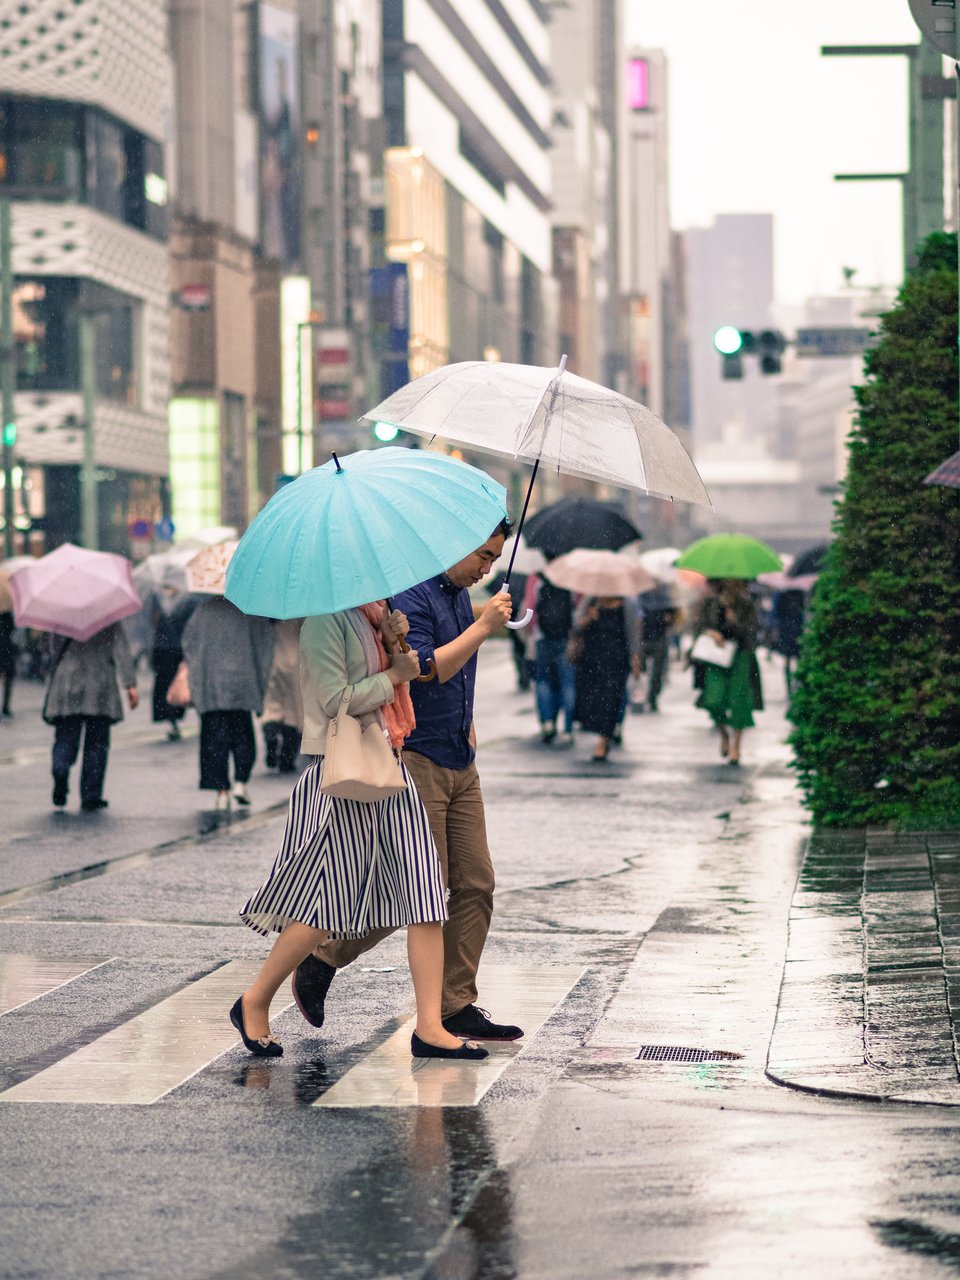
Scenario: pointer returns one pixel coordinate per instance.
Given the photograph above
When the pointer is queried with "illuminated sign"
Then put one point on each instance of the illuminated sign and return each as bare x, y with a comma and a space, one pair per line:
296, 374
155, 188
638, 84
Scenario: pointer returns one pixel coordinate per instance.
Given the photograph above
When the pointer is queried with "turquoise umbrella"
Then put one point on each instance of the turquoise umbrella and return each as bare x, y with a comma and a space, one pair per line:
729, 555
362, 528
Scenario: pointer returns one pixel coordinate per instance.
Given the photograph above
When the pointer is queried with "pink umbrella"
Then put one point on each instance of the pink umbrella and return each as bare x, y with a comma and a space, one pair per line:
599, 573
74, 592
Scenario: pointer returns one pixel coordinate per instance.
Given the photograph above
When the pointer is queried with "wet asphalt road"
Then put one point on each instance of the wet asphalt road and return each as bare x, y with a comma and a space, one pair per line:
666, 876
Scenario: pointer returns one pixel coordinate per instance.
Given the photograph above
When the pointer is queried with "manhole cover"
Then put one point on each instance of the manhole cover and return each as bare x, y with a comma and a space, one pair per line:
674, 1053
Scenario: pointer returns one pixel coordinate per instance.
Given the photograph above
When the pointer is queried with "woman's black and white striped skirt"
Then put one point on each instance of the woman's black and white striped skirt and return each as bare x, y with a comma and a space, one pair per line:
350, 867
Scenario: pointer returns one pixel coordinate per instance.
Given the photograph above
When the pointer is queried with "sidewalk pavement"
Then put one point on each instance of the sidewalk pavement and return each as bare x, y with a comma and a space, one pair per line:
870, 1001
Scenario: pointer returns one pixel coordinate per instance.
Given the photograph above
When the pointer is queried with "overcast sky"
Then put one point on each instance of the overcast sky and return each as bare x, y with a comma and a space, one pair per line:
760, 122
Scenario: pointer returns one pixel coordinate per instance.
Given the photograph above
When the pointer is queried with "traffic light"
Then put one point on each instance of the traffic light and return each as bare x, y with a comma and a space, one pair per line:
729, 342
771, 345
9, 434
385, 432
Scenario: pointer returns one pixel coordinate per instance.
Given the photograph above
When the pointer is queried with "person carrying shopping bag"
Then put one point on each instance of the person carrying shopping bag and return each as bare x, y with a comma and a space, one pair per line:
348, 867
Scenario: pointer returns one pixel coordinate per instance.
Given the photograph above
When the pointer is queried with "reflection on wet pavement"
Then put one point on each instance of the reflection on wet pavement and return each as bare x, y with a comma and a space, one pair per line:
150, 1054
24, 978
869, 1005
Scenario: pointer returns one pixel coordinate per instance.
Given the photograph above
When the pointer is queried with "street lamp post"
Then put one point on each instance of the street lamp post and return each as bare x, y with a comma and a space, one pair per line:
7, 372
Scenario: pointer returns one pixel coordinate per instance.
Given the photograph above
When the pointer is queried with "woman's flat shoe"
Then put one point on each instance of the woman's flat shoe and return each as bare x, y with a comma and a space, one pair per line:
466, 1053
265, 1047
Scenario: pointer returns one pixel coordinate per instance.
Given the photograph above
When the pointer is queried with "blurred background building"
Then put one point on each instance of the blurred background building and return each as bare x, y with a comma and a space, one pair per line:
85, 124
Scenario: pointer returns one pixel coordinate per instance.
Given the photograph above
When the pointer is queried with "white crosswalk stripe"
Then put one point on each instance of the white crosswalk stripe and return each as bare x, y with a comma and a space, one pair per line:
25, 978
144, 1058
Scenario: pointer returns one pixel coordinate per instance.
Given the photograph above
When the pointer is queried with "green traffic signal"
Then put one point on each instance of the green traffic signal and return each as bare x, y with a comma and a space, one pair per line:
728, 340
9, 434
385, 432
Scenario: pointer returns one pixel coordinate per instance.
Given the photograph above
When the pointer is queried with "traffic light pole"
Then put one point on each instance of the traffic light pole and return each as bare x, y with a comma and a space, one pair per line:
7, 370
90, 507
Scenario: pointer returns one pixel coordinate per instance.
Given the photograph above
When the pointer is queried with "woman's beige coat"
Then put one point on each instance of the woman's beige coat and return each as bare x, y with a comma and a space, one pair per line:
332, 657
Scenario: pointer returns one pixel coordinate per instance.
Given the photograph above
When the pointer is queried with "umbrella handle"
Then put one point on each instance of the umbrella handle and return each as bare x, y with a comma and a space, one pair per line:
431, 674
521, 622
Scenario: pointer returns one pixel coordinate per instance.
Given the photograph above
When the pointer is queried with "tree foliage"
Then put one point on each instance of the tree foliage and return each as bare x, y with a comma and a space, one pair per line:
877, 710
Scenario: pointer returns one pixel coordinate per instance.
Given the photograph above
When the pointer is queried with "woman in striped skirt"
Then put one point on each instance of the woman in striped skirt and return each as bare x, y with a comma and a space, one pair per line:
345, 866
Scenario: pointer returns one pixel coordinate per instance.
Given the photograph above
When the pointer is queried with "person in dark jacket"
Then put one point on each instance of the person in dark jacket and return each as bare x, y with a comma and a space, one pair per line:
8, 659
228, 657
607, 635
83, 701
165, 657
555, 675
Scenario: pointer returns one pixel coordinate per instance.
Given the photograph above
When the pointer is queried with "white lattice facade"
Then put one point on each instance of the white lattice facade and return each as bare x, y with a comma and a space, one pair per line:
108, 53
71, 240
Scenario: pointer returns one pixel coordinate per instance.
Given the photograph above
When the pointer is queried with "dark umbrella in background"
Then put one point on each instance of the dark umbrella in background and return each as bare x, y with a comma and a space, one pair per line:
811, 561
579, 522
947, 474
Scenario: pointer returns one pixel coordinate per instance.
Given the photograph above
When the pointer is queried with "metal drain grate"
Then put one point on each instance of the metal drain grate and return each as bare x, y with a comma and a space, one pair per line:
674, 1053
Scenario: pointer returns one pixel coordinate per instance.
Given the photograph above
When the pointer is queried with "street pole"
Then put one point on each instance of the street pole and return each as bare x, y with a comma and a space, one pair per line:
90, 510
8, 376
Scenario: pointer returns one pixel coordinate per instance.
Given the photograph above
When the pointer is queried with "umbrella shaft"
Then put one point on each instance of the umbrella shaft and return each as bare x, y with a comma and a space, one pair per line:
523, 516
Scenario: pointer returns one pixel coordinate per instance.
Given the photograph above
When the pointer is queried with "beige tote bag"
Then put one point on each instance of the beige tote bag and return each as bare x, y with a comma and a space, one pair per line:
358, 763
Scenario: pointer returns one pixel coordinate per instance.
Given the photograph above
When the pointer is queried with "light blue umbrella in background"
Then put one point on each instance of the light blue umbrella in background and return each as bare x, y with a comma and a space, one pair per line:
362, 528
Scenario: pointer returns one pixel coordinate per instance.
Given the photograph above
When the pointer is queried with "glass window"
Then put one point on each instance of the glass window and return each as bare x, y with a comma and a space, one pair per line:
41, 147
45, 334
106, 165
115, 354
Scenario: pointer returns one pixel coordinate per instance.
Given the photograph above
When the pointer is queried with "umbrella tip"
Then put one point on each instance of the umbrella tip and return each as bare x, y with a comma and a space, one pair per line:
337, 461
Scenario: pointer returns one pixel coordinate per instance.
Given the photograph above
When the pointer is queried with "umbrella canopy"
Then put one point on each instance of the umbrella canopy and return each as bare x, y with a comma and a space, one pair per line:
7, 568
550, 417
524, 558
206, 572
948, 473
579, 522
209, 537
730, 555
74, 592
660, 562
599, 573
164, 574
811, 561
360, 529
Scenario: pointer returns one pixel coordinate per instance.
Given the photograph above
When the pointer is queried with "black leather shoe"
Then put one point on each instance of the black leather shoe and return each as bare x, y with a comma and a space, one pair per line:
60, 783
266, 1047
310, 984
475, 1024
90, 806
466, 1053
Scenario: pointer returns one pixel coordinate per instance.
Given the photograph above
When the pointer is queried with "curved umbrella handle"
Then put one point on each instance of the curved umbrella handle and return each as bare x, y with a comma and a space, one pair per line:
521, 622
432, 674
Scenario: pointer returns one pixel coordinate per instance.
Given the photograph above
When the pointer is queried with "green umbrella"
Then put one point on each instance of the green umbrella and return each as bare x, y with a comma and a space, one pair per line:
729, 555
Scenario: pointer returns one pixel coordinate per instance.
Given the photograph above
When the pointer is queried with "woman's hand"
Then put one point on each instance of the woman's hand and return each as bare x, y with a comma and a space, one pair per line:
717, 638
394, 627
404, 667
635, 667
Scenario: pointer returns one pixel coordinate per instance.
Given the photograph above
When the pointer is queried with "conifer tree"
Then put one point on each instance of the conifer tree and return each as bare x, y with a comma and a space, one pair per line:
877, 710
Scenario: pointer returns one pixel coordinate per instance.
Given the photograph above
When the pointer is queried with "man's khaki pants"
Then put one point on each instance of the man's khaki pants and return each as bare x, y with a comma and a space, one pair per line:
454, 805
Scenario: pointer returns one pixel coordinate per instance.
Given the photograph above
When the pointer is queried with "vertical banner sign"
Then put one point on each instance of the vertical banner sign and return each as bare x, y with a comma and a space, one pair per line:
398, 334
280, 152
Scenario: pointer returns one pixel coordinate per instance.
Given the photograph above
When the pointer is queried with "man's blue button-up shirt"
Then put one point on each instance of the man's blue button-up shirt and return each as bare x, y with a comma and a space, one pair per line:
438, 613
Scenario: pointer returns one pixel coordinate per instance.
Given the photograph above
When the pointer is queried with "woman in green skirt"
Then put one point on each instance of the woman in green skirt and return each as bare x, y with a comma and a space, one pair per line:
731, 694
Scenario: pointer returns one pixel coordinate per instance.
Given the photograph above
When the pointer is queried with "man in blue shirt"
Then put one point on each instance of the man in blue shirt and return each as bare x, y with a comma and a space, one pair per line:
440, 756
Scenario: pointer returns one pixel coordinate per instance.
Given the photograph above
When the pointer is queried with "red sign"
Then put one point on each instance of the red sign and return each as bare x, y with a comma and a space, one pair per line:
333, 409
195, 297
334, 355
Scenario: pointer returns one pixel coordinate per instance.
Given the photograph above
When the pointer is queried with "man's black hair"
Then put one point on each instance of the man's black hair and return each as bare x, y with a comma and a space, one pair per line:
505, 527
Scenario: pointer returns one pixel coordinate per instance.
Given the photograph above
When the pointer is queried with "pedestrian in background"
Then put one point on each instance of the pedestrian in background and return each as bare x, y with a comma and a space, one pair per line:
347, 868
731, 694
82, 702
555, 675
8, 659
283, 705
166, 654
606, 644
658, 615
440, 755
789, 608
228, 657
